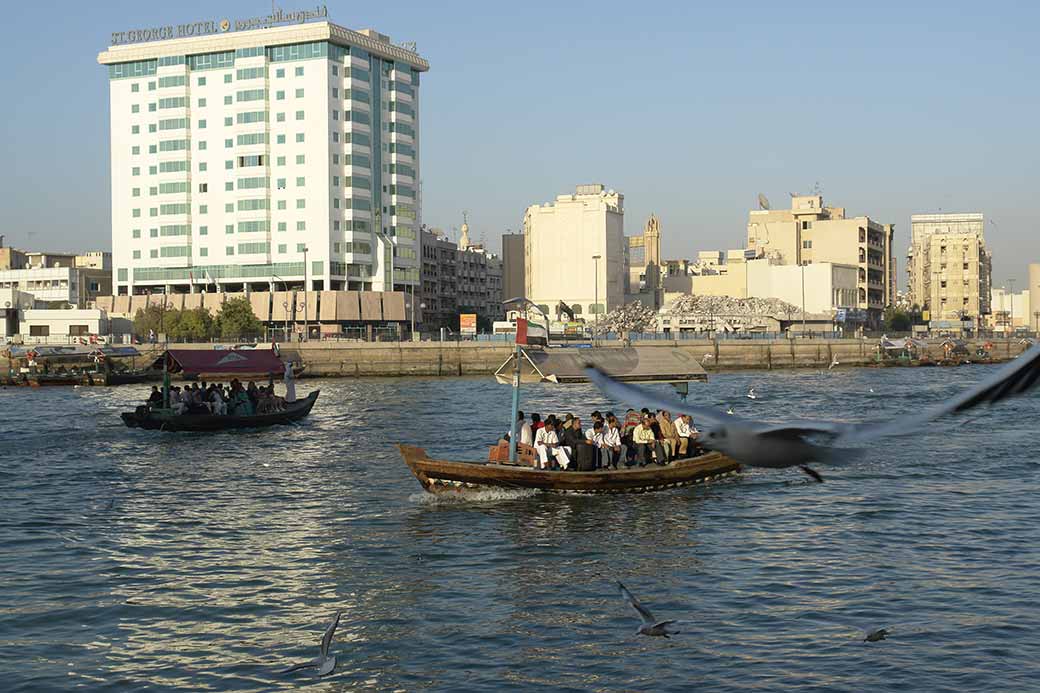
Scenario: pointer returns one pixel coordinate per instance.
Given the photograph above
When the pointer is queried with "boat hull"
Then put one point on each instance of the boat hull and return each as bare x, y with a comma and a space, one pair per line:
444, 476
209, 422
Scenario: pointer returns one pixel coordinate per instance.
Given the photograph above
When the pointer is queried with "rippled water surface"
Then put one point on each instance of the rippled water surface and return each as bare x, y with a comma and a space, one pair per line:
134, 559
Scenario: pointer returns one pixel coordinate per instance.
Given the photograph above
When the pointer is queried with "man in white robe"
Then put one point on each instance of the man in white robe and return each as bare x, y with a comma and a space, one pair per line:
548, 445
290, 384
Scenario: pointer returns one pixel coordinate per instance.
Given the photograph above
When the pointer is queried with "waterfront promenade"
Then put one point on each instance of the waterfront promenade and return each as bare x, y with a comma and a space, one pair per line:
397, 359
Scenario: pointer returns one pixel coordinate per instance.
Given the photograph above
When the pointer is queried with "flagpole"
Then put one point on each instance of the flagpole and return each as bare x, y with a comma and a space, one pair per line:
516, 407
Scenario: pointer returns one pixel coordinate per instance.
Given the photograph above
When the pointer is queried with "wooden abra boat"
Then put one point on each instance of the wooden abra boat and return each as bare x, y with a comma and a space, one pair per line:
441, 476
166, 420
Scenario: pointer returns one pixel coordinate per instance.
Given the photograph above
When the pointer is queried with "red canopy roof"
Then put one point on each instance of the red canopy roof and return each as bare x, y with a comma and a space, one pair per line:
223, 361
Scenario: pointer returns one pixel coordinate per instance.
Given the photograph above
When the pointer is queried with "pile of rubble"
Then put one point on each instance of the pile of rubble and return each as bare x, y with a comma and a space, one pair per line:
634, 317
688, 305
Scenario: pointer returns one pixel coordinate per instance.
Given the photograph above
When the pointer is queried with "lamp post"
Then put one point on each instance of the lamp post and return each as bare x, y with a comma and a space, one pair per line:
595, 305
306, 331
803, 300
1011, 294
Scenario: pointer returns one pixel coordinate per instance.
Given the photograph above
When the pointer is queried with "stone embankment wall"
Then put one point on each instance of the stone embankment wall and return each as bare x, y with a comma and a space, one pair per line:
346, 359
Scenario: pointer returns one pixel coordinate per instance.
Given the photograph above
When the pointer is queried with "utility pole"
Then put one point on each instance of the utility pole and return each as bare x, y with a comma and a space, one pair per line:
1011, 294
306, 330
595, 261
803, 300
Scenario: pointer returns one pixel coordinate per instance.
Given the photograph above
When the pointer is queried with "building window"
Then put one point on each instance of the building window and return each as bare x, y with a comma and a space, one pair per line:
299, 137
39, 330
301, 226
203, 230
229, 250
807, 244
230, 228
229, 164
153, 253
299, 93
228, 121
227, 78
280, 140
135, 87
203, 252
281, 248
300, 204
137, 254
281, 226
202, 103
203, 187
299, 72
299, 115
301, 182
227, 100
136, 233
135, 108
135, 129
279, 117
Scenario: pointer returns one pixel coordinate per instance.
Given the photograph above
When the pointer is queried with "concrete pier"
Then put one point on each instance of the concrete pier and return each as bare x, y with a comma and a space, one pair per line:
397, 359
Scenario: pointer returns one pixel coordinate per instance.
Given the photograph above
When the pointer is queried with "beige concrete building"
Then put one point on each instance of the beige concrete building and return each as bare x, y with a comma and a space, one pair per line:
822, 287
561, 240
810, 233
949, 268
1009, 310
643, 265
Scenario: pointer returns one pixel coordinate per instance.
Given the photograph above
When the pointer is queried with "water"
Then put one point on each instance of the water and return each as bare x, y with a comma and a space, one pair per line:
133, 559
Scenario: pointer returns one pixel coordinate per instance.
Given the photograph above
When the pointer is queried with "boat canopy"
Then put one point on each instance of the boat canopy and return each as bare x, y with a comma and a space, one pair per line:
229, 362
631, 364
901, 343
81, 351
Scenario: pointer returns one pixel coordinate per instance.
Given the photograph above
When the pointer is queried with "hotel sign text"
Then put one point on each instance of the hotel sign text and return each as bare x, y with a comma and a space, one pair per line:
175, 31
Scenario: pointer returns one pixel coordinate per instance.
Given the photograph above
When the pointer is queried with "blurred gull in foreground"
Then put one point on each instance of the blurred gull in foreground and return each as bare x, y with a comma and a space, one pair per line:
796, 443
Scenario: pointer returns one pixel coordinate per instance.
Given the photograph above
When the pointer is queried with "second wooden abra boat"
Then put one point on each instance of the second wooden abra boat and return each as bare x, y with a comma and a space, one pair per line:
445, 476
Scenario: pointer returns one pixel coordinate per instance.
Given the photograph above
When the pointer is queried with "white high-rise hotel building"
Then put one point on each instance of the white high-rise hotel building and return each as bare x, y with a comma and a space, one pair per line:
240, 157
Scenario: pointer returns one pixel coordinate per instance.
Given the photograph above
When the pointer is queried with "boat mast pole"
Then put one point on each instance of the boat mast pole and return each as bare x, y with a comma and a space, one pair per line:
516, 408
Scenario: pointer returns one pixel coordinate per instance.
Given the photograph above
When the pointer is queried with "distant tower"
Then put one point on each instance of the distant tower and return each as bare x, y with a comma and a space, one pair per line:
652, 240
464, 238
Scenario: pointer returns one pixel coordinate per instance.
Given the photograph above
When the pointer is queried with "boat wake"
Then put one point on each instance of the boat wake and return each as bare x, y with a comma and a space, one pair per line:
487, 495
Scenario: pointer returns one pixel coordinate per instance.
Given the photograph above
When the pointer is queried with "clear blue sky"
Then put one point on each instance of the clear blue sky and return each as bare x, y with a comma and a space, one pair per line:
689, 109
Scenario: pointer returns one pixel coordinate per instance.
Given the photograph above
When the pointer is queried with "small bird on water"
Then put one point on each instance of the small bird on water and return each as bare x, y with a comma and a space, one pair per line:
751, 394
326, 663
649, 625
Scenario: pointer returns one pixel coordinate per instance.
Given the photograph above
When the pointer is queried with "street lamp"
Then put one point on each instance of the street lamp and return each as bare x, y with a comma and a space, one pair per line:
306, 330
595, 305
1011, 294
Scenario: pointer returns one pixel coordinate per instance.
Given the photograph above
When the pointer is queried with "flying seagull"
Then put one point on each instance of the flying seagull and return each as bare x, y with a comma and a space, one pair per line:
650, 625
326, 663
834, 362
796, 443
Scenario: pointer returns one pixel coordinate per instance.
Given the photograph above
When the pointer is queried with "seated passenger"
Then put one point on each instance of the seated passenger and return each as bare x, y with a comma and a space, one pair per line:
548, 445
686, 434
646, 443
614, 450
155, 398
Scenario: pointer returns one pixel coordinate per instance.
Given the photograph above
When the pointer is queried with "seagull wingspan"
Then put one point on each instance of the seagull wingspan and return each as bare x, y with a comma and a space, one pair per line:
326, 640
644, 613
641, 397
1010, 380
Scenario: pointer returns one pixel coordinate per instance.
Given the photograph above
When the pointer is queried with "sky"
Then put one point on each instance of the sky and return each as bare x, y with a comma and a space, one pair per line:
689, 109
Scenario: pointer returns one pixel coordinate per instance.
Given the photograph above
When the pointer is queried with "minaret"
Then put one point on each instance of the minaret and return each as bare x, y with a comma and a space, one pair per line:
464, 238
